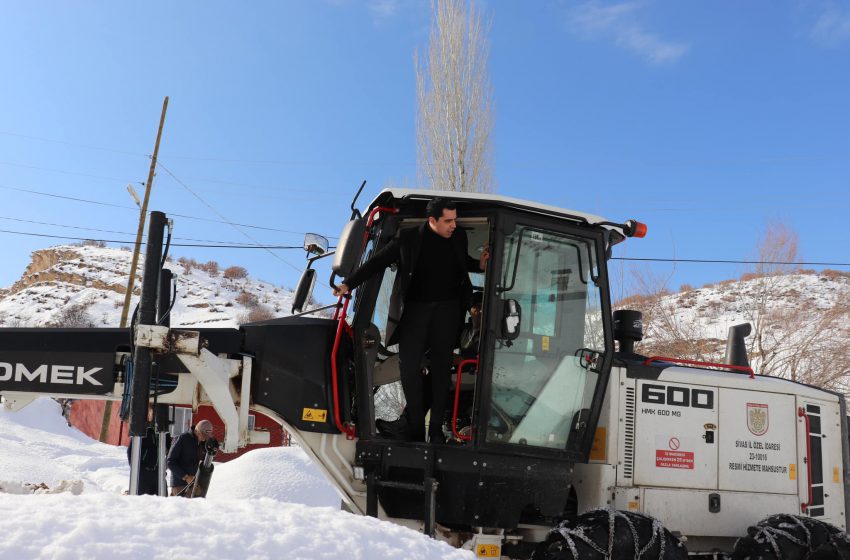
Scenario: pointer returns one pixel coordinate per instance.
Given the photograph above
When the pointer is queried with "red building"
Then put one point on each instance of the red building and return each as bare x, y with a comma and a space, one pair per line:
87, 416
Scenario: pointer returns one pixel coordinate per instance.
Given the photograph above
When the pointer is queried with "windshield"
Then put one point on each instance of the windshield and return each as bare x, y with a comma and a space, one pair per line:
544, 377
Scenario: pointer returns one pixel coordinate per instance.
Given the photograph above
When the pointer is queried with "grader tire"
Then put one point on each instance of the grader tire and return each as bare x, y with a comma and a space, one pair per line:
610, 534
792, 537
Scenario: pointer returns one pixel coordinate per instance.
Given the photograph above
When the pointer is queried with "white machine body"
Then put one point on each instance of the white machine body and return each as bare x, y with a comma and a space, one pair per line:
710, 453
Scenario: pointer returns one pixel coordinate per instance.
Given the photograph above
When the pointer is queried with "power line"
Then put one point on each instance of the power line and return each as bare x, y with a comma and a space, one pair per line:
220, 215
262, 187
41, 193
230, 245
130, 241
240, 225
64, 225
204, 180
125, 207
9, 218
63, 171
730, 261
65, 142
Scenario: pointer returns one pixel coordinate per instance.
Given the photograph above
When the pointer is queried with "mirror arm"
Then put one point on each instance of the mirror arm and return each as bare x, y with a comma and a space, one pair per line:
317, 257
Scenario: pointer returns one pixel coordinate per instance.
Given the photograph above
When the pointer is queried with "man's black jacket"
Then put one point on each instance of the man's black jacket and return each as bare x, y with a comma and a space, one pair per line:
404, 250
184, 456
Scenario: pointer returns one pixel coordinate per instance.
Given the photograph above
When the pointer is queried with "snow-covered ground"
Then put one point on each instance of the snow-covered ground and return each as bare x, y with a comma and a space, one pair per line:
269, 503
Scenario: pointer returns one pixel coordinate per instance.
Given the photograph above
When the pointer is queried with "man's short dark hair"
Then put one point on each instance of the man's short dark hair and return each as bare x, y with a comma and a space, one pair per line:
437, 205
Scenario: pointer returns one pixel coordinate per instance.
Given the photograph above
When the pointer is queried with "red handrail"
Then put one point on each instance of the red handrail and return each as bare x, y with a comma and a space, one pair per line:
340, 315
745, 369
801, 412
457, 398
346, 428
372, 215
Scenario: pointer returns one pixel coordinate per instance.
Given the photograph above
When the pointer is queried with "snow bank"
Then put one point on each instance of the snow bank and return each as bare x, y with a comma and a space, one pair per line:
103, 526
285, 474
266, 504
37, 445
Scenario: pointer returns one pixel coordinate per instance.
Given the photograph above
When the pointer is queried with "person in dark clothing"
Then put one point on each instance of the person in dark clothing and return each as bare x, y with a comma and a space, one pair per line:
185, 455
148, 462
433, 286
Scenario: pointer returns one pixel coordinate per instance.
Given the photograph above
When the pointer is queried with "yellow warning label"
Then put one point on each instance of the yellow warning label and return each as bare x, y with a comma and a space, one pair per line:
792, 471
544, 343
835, 475
600, 441
488, 551
314, 415
634, 506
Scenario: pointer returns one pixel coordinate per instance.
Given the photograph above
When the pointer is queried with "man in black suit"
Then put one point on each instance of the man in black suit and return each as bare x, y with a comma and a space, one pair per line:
434, 286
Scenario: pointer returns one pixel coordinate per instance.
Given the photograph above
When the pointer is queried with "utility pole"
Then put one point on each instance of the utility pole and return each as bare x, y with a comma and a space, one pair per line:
143, 210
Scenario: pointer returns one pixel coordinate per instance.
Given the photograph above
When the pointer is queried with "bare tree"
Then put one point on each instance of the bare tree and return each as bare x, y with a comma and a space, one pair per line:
454, 121
814, 348
75, 315
759, 291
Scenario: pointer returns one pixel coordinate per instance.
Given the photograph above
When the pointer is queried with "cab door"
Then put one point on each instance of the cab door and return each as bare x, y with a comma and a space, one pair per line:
546, 379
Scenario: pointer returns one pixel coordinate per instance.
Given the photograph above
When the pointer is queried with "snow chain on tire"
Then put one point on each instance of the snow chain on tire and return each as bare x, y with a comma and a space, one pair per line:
792, 537
610, 534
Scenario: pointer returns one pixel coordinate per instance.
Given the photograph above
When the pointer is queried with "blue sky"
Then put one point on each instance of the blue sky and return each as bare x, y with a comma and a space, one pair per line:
705, 120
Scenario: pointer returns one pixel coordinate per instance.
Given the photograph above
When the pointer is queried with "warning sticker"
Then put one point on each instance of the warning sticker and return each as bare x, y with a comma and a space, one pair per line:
488, 551
314, 415
668, 459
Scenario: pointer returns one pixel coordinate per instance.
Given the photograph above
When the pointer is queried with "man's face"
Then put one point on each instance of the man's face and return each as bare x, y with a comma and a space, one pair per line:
446, 224
204, 430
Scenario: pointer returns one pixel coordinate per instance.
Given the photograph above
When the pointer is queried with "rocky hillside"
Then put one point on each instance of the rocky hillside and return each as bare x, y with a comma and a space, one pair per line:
74, 285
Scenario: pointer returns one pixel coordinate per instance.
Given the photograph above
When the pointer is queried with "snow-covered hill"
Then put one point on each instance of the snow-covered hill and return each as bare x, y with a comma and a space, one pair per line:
73, 285
270, 503
800, 320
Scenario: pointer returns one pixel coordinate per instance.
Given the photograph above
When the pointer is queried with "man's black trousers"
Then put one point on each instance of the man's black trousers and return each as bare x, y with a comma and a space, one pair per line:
427, 326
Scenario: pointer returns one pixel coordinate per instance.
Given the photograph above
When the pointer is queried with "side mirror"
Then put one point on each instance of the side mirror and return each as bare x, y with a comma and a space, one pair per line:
304, 289
511, 319
349, 248
315, 244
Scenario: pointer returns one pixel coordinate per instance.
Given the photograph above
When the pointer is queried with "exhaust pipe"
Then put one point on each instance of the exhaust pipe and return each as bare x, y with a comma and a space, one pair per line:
736, 348
628, 329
